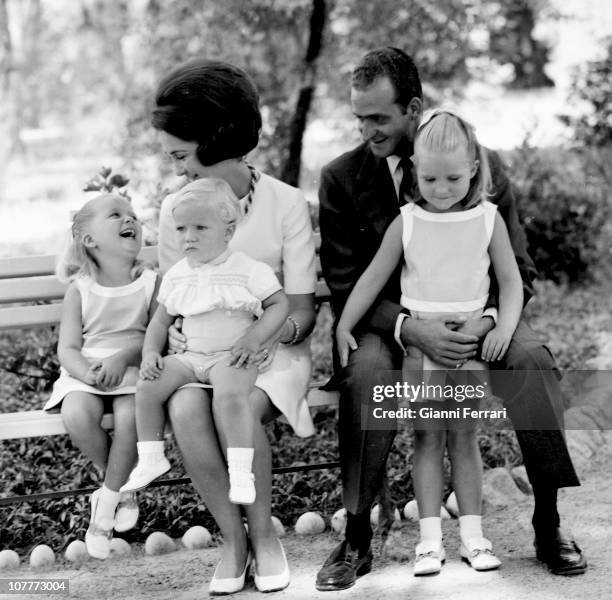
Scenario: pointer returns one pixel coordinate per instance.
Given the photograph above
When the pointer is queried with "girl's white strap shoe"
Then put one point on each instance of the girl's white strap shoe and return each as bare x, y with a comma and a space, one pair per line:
478, 552
127, 513
97, 539
229, 585
273, 583
429, 556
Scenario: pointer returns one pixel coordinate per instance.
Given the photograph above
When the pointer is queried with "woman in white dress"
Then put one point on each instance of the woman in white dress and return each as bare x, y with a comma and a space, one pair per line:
208, 116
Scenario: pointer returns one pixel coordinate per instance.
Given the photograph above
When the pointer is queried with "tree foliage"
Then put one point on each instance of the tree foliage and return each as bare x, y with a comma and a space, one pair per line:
591, 89
512, 41
93, 66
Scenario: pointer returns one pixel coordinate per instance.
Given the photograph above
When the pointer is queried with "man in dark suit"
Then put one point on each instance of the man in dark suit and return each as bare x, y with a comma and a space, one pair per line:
360, 194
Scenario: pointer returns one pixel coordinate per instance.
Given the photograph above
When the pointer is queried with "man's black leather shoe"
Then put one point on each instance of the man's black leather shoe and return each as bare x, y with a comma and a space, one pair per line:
561, 554
342, 568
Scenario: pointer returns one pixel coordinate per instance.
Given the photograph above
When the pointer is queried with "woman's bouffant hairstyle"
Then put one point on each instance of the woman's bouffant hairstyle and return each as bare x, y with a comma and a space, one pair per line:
76, 260
212, 103
443, 130
211, 192
392, 63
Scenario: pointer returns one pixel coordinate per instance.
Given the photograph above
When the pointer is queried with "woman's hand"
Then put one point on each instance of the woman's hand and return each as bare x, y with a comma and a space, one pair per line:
265, 356
177, 342
151, 366
111, 371
245, 350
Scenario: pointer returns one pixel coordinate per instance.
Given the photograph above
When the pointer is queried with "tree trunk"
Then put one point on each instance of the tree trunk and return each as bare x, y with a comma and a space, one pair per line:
6, 67
290, 172
28, 90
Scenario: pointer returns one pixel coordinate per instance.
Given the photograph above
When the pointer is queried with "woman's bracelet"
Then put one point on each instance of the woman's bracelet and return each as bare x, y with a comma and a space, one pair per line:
296, 331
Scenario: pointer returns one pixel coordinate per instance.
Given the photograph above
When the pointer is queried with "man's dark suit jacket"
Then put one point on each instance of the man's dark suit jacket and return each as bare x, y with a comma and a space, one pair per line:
357, 204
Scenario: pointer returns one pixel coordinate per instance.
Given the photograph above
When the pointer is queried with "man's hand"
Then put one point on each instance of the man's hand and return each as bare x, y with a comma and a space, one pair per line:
438, 339
344, 343
177, 342
151, 366
478, 326
111, 371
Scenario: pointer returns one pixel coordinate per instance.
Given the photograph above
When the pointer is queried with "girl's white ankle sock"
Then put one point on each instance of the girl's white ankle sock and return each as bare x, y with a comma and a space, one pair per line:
240, 459
107, 505
150, 452
470, 526
431, 529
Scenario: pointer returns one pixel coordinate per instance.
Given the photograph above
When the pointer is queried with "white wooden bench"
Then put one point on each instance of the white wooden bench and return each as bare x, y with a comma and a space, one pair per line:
24, 283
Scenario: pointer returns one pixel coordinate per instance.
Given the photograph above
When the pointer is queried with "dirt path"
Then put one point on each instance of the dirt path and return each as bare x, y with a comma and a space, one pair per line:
184, 574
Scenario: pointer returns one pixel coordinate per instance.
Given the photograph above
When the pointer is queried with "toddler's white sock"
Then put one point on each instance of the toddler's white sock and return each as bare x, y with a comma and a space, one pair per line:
240, 459
150, 452
107, 505
470, 526
242, 482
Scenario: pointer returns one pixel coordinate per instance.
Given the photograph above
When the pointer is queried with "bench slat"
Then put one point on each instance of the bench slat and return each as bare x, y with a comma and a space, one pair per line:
31, 266
27, 266
30, 316
26, 289
36, 423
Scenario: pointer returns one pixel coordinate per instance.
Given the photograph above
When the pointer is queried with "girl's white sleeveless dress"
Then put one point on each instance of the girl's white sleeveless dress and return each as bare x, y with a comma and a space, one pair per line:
112, 317
446, 268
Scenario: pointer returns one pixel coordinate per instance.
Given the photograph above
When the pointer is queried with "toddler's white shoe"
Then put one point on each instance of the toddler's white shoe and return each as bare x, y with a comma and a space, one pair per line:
242, 486
144, 473
97, 539
127, 513
429, 556
478, 552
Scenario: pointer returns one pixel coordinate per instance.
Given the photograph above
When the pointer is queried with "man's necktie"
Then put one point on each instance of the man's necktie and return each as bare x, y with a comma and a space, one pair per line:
405, 188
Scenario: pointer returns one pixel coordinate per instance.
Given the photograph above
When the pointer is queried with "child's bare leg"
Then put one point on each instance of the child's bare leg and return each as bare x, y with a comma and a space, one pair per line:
82, 414
122, 453
466, 464
151, 395
232, 410
427, 474
427, 471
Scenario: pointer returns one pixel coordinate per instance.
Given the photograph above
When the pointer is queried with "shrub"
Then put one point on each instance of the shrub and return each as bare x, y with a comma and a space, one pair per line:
564, 204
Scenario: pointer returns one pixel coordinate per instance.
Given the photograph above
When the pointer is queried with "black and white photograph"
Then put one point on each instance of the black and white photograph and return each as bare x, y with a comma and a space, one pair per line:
395, 222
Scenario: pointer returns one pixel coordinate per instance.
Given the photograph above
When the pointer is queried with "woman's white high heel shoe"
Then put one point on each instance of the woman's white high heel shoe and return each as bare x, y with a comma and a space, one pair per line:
273, 583
229, 585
